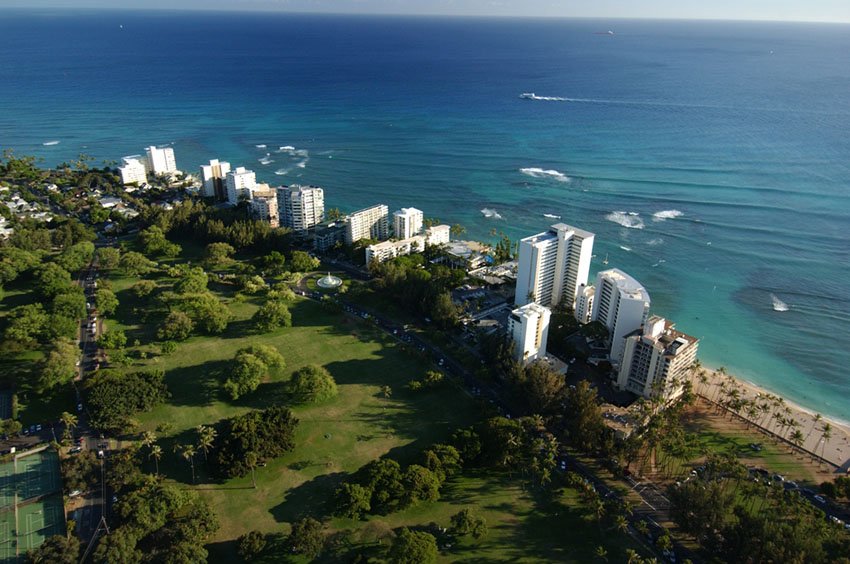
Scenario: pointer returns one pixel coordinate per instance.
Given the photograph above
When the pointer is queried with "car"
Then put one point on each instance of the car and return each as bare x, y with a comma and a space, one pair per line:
114, 499
75, 450
32, 428
79, 407
75, 493
820, 499
100, 454
38, 428
836, 520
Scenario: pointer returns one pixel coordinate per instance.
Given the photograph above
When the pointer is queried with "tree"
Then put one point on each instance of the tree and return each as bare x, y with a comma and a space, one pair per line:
249, 367
585, 426
457, 230
313, 384
153, 242
544, 388
352, 501
251, 461
58, 549
69, 420
156, 454
420, 484
113, 339
383, 477
60, 366
268, 433
219, 253
443, 460
106, 301
71, 305
136, 264
192, 281
273, 263
306, 537
28, 323
207, 312
108, 258
271, 315
443, 310
188, 453
51, 280
177, 326
76, 257
413, 547
251, 545
143, 288
206, 438
14, 261
303, 262
113, 397
468, 522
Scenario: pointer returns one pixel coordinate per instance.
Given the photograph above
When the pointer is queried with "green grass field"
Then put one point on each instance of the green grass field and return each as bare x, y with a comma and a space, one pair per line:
337, 438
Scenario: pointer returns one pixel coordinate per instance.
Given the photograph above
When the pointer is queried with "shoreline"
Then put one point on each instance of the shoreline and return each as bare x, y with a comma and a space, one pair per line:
836, 449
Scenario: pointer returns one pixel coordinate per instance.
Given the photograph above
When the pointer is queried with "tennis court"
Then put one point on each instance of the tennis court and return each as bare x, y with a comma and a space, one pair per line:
31, 506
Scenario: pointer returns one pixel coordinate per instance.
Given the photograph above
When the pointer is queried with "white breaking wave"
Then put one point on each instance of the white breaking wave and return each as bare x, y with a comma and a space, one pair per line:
282, 171
50, 143
666, 214
265, 160
551, 216
491, 213
535, 172
302, 164
779, 305
630, 220
625, 248
286, 148
655, 242
536, 98
301, 152
260, 146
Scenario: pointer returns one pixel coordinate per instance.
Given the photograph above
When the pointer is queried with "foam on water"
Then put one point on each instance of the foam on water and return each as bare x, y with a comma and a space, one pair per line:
631, 220
666, 214
536, 172
778, 305
490, 213
50, 143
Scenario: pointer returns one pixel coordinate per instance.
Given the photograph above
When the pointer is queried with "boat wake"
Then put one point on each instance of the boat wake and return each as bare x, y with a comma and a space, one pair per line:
630, 220
551, 216
779, 305
536, 98
536, 172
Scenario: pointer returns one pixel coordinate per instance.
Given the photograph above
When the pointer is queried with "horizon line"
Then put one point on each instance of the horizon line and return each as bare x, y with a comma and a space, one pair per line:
206, 9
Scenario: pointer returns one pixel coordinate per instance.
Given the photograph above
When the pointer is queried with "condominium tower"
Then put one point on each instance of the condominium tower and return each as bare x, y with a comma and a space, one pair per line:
213, 178
528, 327
368, 223
552, 265
301, 207
620, 303
133, 171
239, 184
160, 161
407, 222
656, 360
264, 204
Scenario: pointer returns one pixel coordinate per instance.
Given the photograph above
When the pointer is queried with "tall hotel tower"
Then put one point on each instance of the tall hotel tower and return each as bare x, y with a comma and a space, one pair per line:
552, 265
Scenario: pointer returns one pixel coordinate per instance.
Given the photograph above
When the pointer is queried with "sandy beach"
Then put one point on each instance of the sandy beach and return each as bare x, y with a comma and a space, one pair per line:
835, 450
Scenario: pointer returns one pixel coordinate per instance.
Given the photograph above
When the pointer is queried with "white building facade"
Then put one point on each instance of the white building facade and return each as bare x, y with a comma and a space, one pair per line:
584, 303
368, 223
264, 204
213, 178
301, 207
240, 183
552, 265
160, 161
528, 328
386, 250
407, 222
657, 360
620, 303
133, 171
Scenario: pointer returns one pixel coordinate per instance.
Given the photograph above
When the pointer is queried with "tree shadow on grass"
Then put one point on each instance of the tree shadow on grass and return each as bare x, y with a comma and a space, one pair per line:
197, 385
312, 498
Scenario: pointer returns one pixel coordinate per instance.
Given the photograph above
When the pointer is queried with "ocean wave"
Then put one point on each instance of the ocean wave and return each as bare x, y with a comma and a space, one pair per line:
536, 98
625, 248
282, 171
631, 220
536, 172
551, 216
260, 146
302, 164
655, 242
265, 160
285, 149
491, 213
778, 305
50, 143
666, 214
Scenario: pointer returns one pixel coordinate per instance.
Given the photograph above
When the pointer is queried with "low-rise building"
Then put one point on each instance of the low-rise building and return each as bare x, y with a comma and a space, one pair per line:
386, 250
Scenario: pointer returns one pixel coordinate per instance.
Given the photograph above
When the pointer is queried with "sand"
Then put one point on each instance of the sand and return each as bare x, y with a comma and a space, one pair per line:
836, 450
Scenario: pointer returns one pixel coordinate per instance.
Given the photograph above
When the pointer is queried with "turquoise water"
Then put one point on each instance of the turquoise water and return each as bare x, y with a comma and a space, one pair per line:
737, 132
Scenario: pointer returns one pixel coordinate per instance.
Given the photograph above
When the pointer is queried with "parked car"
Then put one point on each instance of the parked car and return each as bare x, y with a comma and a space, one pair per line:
820, 499
75, 493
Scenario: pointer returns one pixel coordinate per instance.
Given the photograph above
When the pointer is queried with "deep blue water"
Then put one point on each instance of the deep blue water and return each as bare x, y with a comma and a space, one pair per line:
741, 128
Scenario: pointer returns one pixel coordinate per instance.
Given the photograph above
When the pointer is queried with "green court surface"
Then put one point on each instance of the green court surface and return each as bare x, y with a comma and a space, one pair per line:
31, 506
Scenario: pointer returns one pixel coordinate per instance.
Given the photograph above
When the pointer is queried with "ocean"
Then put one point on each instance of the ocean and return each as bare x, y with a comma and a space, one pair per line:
711, 159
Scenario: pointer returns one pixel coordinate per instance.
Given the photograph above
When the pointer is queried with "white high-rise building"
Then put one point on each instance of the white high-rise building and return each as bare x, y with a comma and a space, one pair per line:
368, 223
407, 222
552, 265
301, 207
213, 177
438, 234
160, 161
264, 204
239, 184
584, 303
528, 327
621, 303
656, 360
133, 171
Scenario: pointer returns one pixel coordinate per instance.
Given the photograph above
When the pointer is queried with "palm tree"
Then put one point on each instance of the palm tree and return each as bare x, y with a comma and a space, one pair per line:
148, 438
815, 422
206, 438
156, 453
70, 421
621, 523
601, 553
632, 557
826, 434
188, 452
387, 392
797, 438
